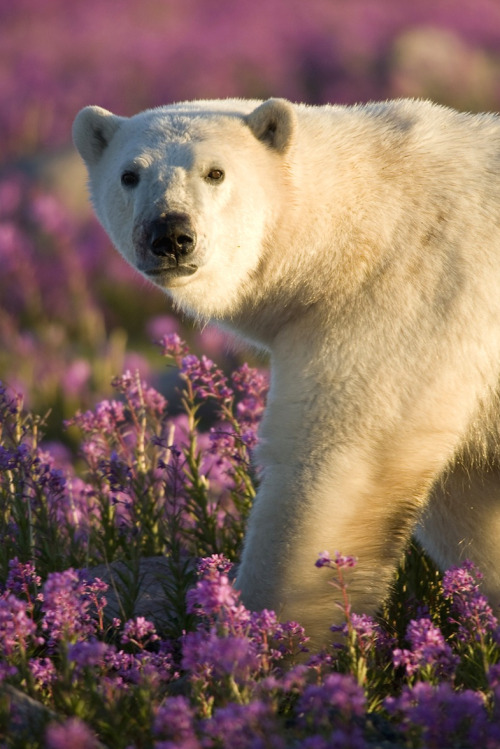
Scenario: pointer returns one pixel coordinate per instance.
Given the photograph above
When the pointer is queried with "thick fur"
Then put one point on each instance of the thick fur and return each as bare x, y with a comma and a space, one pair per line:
361, 247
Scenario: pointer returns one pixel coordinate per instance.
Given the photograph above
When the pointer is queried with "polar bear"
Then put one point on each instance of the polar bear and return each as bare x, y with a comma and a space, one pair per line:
361, 247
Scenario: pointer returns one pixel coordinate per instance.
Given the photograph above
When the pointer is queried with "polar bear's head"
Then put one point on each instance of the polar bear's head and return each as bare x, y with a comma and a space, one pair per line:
190, 193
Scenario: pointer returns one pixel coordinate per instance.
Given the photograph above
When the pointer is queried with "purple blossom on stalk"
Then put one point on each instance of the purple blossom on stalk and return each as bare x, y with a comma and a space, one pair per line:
22, 579
210, 596
138, 393
253, 386
276, 639
429, 652
369, 634
143, 667
224, 445
473, 613
206, 379
339, 561
43, 672
117, 471
211, 566
140, 632
17, 629
214, 593
47, 477
105, 418
67, 599
173, 345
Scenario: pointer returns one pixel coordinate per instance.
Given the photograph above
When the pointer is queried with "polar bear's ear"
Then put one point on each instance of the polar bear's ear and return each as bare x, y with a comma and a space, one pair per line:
93, 129
273, 123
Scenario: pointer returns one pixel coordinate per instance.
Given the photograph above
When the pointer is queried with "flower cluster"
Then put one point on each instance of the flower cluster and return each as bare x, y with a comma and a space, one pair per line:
429, 653
208, 672
470, 608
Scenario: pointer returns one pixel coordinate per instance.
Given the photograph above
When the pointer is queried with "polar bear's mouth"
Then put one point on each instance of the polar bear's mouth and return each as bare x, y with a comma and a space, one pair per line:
163, 273
164, 247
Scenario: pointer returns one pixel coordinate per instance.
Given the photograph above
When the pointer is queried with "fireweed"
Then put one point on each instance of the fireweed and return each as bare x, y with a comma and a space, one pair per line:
301, 55
147, 483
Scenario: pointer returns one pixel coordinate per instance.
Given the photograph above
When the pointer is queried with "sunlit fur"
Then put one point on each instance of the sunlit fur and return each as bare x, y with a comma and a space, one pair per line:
361, 247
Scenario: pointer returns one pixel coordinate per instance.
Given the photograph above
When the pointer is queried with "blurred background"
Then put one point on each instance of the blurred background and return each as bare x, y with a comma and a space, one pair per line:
72, 315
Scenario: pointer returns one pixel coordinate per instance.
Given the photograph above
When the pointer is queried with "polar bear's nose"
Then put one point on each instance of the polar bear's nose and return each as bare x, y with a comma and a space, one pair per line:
172, 234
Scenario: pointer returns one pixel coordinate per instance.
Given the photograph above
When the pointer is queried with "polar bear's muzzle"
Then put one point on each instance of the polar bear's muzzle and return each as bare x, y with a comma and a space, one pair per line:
164, 247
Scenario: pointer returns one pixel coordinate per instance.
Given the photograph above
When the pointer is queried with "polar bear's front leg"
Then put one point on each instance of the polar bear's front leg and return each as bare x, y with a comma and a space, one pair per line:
356, 507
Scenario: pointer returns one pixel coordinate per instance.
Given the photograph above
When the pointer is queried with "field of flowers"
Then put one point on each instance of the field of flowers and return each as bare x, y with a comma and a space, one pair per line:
125, 450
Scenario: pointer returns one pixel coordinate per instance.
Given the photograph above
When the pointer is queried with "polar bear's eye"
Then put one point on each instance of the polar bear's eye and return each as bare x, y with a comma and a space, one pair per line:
215, 175
130, 179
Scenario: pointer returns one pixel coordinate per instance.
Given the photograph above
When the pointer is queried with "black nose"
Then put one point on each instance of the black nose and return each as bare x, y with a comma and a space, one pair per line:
172, 234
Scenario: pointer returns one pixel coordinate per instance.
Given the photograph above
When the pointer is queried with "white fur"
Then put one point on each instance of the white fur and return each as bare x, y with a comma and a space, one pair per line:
361, 247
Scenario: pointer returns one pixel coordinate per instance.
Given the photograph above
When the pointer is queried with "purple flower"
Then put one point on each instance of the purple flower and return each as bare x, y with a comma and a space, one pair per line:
138, 394
206, 379
149, 669
173, 345
253, 386
139, 631
73, 734
324, 559
22, 579
214, 592
17, 630
339, 561
475, 617
276, 639
429, 652
66, 606
43, 672
104, 419
117, 471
